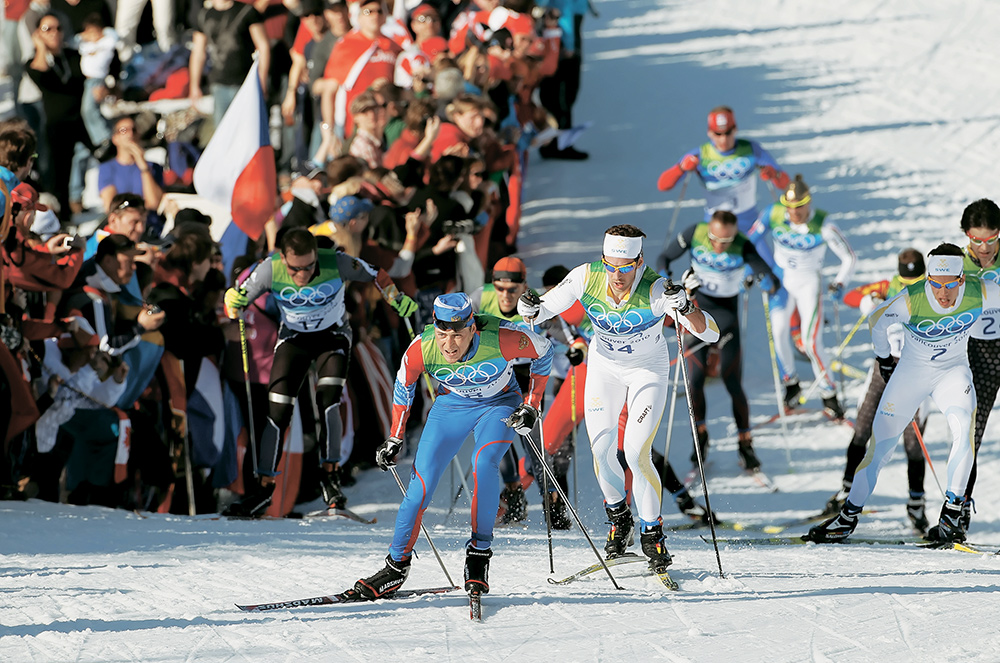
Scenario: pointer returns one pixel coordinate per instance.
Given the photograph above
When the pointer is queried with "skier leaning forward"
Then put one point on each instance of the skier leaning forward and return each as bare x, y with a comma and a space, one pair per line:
629, 363
938, 314
471, 357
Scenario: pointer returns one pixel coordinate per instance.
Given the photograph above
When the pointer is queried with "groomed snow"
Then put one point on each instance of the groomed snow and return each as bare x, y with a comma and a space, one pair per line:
889, 110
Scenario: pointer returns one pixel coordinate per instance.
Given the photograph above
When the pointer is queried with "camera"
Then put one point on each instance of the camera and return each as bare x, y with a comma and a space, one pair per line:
153, 309
462, 227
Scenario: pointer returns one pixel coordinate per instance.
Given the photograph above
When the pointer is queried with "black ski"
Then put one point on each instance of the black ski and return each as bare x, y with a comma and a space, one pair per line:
343, 513
350, 596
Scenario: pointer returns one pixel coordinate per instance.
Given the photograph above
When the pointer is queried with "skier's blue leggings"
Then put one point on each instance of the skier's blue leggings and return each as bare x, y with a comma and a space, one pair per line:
449, 422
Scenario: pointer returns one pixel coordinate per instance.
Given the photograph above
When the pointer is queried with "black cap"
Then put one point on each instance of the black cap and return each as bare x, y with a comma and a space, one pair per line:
911, 263
114, 244
190, 214
311, 7
553, 276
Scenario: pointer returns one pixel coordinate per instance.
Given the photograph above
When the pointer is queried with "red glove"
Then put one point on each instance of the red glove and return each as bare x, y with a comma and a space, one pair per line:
690, 162
780, 178
669, 177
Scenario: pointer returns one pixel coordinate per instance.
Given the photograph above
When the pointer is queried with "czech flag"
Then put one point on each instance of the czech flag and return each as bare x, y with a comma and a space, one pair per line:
237, 168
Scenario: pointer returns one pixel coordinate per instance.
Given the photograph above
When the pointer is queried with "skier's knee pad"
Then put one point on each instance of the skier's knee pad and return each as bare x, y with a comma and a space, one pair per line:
329, 391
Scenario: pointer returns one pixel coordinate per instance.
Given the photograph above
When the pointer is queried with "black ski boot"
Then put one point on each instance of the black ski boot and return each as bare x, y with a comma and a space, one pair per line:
748, 457
655, 548
967, 510
836, 503
516, 504
917, 514
622, 532
690, 508
253, 504
558, 513
949, 528
792, 391
833, 408
329, 483
837, 528
385, 582
702, 444
477, 569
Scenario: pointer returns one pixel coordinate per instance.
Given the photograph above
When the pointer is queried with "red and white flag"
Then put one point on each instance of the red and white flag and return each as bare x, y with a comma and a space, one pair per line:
237, 168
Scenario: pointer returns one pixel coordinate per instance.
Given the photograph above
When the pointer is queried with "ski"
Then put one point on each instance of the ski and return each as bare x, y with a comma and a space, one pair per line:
732, 525
763, 481
800, 411
629, 558
475, 607
350, 596
918, 542
667, 581
343, 513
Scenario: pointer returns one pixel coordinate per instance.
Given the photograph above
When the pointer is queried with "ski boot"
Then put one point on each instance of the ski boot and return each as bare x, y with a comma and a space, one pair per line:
792, 391
690, 508
384, 583
836, 503
333, 496
477, 569
622, 532
949, 528
833, 408
655, 548
916, 513
967, 510
702, 444
253, 504
748, 457
558, 513
517, 504
837, 528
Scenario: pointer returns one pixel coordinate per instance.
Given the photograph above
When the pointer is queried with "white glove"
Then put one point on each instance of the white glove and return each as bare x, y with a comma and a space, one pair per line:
690, 280
677, 299
529, 305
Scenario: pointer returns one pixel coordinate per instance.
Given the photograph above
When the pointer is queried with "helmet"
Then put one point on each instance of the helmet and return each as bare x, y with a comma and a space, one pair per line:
797, 193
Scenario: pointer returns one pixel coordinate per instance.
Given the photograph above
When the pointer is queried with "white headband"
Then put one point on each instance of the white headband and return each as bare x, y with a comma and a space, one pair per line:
944, 265
616, 246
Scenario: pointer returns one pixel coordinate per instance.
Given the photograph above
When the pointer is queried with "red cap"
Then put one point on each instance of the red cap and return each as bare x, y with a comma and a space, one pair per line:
423, 9
721, 121
510, 269
26, 195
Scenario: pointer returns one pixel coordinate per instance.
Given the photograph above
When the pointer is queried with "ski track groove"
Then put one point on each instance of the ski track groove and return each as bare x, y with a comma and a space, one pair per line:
901, 626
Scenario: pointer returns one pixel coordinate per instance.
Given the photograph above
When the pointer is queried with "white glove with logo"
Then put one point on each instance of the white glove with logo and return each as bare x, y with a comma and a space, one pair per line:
529, 305
690, 280
677, 299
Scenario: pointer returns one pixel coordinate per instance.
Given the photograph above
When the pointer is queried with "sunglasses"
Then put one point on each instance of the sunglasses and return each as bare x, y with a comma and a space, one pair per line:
721, 240
977, 241
128, 203
937, 285
50, 28
369, 12
427, 19
509, 291
727, 132
451, 325
295, 270
622, 269
477, 173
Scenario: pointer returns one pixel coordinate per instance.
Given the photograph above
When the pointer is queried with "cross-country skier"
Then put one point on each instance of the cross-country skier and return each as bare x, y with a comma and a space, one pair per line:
628, 364
938, 314
471, 357
726, 166
719, 254
981, 224
867, 297
307, 284
801, 236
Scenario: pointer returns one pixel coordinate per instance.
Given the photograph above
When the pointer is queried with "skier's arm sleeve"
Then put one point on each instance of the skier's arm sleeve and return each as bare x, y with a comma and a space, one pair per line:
561, 297
896, 310
659, 307
758, 264
520, 343
406, 386
356, 269
877, 289
764, 157
258, 281
678, 247
836, 240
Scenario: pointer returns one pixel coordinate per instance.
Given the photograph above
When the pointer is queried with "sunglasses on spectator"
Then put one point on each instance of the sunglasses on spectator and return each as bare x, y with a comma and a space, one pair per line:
509, 291
128, 203
369, 12
622, 269
979, 241
424, 18
721, 240
727, 132
451, 325
477, 173
50, 28
295, 270
937, 285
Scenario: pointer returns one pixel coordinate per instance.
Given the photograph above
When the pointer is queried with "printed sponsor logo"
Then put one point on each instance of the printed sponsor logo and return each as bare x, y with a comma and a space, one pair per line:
643, 415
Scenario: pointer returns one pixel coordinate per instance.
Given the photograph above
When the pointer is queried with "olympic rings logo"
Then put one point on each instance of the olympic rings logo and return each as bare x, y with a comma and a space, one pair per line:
467, 374
796, 241
308, 295
720, 262
613, 321
992, 275
730, 169
946, 326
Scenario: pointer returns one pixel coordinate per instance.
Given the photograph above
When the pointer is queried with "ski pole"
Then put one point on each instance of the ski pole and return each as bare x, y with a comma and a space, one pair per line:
836, 356
670, 421
694, 434
540, 457
777, 378
677, 211
840, 339
395, 475
246, 382
572, 385
920, 439
576, 516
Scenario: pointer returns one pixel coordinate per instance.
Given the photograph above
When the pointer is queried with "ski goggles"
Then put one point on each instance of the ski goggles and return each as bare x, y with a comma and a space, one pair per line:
721, 240
506, 290
621, 269
295, 270
937, 285
979, 241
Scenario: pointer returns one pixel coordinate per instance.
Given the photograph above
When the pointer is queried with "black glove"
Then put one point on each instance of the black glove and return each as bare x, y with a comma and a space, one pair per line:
575, 354
886, 365
523, 419
385, 455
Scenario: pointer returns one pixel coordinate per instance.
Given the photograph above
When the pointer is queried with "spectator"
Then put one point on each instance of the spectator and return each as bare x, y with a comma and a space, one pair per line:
98, 61
369, 121
126, 216
129, 172
127, 24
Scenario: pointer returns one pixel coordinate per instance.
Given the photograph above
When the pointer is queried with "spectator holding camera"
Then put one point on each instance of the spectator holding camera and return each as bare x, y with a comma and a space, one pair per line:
129, 172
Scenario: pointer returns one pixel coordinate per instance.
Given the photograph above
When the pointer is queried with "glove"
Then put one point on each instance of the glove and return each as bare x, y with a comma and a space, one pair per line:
690, 280
769, 285
835, 289
235, 299
529, 305
689, 162
523, 419
575, 354
886, 365
677, 299
385, 455
404, 306
779, 178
